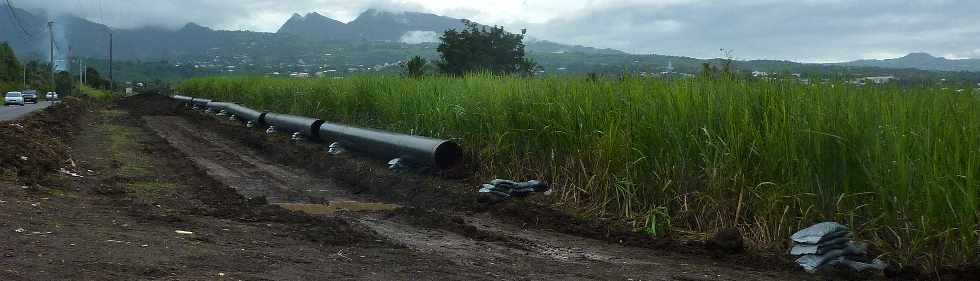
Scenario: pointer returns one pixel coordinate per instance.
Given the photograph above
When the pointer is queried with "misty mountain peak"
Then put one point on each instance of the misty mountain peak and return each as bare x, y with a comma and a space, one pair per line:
314, 25
919, 55
311, 18
194, 27
373, 13
317, 16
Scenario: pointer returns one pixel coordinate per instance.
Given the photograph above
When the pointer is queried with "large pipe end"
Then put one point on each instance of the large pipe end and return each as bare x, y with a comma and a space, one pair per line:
261, 120
315, 129
447, 155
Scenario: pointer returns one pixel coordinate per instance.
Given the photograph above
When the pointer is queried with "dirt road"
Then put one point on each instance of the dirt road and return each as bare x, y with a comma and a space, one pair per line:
157, 193
15, 112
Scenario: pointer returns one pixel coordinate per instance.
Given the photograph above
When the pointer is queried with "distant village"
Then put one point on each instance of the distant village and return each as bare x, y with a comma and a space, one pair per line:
325, 66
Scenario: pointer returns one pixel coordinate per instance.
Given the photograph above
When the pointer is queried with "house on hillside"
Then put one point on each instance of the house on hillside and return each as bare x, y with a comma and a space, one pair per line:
875, 80
880, 79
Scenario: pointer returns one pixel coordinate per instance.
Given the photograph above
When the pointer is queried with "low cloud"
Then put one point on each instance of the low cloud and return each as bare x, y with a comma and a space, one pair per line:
814, 30
418, 37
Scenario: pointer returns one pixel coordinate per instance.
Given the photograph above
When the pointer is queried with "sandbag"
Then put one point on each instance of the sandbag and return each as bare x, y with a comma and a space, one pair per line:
820, 232
811, 263
819, 249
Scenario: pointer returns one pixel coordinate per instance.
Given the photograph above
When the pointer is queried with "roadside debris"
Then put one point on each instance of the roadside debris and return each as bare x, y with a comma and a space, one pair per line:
728, 241
335, 149
397, 164
183, 232
830, 243
500, 189
70, 173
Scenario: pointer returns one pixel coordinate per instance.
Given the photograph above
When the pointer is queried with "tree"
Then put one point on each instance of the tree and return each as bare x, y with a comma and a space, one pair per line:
476, 48
64, 83
415, 67
10, 68
708, 70
94, 80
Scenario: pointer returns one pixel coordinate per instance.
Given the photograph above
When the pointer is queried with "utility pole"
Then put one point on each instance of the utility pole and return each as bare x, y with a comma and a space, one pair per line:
112, 82
51, 33
68, 61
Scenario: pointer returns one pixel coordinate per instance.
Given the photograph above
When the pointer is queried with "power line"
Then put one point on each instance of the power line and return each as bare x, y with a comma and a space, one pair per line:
13, 17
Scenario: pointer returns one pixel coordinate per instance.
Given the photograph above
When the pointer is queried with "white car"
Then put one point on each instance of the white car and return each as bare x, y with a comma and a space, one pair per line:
51, 96
13, 98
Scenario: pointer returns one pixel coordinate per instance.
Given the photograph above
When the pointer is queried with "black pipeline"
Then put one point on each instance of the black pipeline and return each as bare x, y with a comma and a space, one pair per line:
441, 154
218, 106
306, 126
244, 113
197, 102
183, 99
418, 150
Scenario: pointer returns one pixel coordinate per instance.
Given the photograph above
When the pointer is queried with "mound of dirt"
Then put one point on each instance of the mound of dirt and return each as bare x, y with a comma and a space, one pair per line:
149, 104
214, 199
35, 148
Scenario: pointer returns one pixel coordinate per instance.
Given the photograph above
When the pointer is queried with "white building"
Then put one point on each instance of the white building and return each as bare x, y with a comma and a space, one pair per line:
880, 79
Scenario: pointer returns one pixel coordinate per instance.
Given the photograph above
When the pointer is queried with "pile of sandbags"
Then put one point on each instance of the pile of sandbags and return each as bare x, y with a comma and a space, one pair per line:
830, 243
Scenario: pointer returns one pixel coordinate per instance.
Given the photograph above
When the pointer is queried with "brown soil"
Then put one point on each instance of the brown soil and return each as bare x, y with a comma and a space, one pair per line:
147, 169
33, 148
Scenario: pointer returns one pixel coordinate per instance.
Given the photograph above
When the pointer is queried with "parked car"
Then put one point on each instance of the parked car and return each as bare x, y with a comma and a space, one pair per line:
13, 98
29, 96
51, 96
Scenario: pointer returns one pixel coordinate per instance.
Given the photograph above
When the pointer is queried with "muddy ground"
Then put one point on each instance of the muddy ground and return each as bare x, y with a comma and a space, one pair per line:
151, 191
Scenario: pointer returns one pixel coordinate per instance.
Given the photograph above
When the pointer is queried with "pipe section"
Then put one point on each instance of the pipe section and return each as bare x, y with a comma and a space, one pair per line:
198, 102
245, 113
183, 99
438, 153
309, 127
218, 106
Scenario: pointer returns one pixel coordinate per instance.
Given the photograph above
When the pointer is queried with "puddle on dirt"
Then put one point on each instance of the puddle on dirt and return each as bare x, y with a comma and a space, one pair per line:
336, 206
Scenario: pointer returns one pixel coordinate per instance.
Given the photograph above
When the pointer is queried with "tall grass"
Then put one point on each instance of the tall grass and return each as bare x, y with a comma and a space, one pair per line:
901, 166
98, 94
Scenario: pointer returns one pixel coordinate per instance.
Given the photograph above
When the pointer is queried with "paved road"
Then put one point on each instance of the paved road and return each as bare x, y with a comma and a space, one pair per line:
15, 112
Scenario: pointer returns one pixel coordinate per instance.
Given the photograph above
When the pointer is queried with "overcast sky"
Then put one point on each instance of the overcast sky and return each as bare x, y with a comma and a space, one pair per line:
800, 30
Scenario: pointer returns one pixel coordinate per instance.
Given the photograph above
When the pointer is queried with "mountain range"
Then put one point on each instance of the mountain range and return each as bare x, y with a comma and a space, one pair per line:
375, 25
922, 61
90, 39
374, 37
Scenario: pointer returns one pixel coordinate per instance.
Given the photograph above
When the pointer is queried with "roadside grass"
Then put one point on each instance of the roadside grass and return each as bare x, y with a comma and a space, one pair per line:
151, 190
127, 155
100, 95
690, 157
